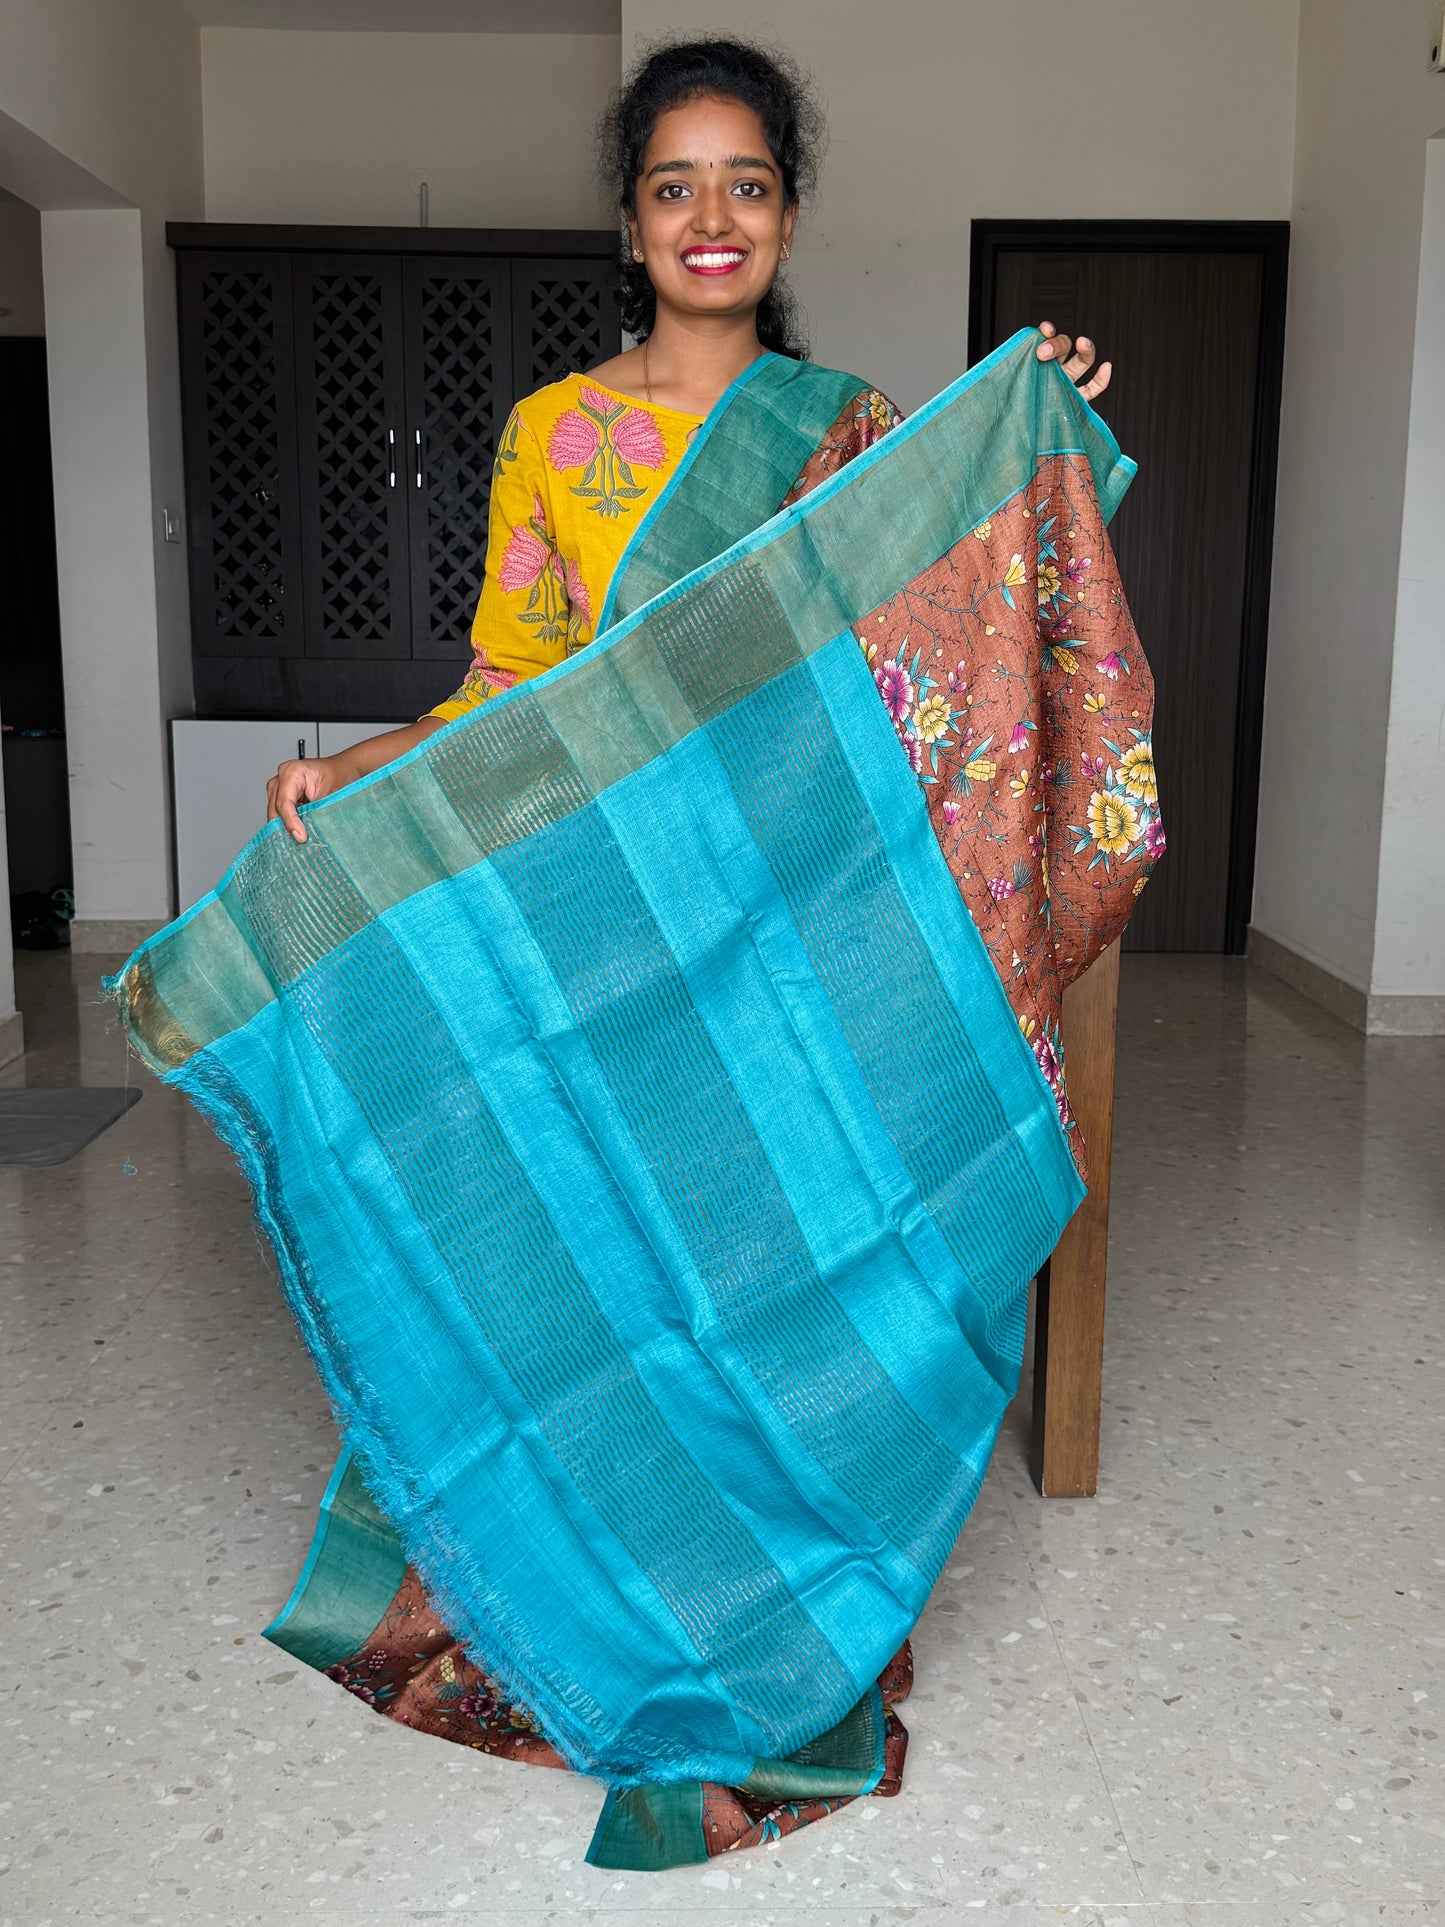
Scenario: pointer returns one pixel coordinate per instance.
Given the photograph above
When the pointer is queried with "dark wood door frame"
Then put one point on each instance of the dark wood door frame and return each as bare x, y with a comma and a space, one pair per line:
1269, 240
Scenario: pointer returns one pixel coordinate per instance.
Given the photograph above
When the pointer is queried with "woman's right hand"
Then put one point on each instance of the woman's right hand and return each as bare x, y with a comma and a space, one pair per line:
305, 778
302, 780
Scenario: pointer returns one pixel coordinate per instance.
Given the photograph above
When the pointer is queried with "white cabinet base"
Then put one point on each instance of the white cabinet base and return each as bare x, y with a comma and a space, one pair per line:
219, 772
331, 737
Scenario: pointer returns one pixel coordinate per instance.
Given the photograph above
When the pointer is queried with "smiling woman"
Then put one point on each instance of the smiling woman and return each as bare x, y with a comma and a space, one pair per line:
700, 1303
702, 194
710, 148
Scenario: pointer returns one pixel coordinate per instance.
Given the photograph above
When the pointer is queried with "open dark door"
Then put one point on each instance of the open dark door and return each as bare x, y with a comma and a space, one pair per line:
32, 691
1192, 314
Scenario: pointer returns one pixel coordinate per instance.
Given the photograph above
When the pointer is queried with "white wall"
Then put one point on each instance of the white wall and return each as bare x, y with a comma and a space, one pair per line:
941, 111
1367, 106
100, 108
113, 86
100, 444
329, 127
1409, 959
21, 287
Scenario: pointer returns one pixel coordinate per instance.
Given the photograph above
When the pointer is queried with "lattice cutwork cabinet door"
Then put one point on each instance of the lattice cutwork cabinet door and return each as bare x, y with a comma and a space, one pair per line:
458, 386
564, 317
242, 487
351, 409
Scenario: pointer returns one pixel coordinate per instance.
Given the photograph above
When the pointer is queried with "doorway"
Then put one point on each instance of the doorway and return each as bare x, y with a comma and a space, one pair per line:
32, 695
1192, 314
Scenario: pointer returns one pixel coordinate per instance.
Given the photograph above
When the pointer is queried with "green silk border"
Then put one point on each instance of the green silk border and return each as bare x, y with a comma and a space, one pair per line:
350, 1577
741, 465
648, 1828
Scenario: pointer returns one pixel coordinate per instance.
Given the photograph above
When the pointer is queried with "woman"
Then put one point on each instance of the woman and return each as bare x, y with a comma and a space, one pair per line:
710, 146
298, 1017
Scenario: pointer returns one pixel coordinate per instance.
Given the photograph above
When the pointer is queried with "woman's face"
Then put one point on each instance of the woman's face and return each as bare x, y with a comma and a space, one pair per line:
711, 221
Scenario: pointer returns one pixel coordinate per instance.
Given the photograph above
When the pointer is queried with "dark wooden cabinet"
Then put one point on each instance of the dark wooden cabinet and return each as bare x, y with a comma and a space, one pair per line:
459, 390
557, 320
350, 438
342, 393
238, 374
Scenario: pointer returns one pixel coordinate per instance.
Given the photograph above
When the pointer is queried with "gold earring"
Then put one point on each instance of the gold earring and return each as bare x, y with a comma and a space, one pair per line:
635, 255
786, 253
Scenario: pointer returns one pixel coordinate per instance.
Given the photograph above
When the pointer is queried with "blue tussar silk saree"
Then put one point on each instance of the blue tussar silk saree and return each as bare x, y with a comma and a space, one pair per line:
657, 1116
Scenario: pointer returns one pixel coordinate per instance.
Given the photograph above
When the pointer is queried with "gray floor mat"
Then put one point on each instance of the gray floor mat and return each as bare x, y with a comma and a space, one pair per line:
50, 1126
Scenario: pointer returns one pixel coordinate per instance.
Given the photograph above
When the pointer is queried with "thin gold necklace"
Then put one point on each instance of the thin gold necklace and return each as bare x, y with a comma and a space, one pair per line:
646, 382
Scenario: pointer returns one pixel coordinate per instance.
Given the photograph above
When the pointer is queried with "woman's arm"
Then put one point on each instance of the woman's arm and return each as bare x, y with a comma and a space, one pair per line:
520, 629
304, 779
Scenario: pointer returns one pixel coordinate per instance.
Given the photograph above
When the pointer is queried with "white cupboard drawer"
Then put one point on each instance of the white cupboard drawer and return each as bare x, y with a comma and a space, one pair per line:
331, 737
219, 772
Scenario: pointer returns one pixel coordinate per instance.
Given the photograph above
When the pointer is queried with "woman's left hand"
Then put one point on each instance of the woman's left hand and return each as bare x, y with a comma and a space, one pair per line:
1077, 358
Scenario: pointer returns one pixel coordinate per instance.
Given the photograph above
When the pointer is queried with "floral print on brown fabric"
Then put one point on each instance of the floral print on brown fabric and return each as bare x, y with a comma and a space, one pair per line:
1024, 705
412, 1670
866, 420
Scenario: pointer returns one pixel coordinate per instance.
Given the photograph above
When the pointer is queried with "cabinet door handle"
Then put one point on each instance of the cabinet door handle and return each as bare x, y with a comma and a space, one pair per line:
301, 749
418, 458
391, 458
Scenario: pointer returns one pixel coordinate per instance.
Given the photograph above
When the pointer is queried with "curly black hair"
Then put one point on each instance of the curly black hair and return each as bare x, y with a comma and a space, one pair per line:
669, 75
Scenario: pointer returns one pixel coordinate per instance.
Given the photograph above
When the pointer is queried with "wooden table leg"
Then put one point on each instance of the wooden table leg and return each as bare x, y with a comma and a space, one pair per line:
1069, 1305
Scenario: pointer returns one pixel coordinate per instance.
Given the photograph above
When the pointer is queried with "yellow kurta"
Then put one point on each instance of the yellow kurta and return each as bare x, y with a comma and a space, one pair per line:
577, 469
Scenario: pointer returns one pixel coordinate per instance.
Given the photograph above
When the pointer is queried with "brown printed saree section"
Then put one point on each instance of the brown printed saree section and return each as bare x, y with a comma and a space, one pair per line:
1025, 707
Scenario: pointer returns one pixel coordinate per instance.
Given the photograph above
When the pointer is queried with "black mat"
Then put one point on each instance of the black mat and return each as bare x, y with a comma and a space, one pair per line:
50, 1126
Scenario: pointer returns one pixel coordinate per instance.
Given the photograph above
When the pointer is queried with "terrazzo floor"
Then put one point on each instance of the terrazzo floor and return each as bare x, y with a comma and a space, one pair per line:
1213, 1697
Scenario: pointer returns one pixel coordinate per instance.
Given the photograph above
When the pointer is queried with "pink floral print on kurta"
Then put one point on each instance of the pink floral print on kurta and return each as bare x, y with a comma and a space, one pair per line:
530, 563
606, 437
558, 604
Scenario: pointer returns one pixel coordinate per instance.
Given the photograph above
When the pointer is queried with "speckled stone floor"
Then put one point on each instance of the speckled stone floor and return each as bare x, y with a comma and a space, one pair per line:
1214, 1697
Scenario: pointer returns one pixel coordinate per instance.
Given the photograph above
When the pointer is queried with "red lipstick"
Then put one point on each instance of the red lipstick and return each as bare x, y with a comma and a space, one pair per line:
713, 260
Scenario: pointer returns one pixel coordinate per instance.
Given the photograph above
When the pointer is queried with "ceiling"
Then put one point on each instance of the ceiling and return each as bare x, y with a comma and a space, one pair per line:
414, 16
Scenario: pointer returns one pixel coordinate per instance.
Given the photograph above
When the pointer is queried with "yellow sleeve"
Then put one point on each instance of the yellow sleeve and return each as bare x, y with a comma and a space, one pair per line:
520, 627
